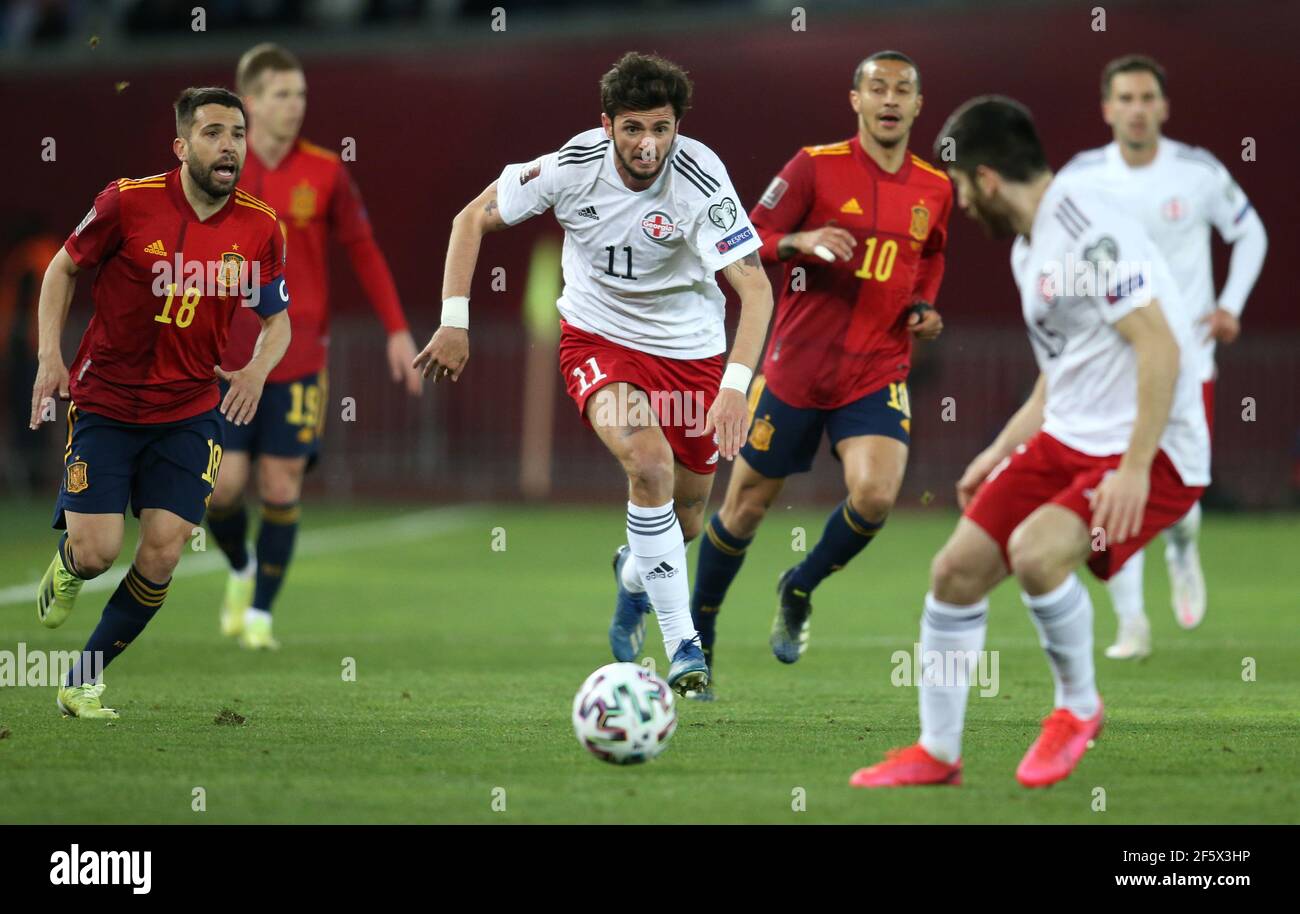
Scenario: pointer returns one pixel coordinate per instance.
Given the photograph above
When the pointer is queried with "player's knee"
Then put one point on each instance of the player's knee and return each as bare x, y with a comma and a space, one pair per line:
158, 556
692, 523
93, 556
224, 498
955, 578
650, 471
745, 513
872, 499
279, 487
1032, 558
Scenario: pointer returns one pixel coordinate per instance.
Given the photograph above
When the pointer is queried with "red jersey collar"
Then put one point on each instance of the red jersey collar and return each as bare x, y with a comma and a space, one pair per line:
880, 174
183, 204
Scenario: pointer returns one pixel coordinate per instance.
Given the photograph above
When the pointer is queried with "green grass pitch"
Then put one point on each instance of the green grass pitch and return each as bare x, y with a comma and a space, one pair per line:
467, 659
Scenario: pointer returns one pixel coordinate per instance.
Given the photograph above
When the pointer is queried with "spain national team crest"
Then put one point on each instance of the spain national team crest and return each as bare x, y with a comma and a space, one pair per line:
760, 436
77, 480
920, 227
232, 270
658, 226
302, 204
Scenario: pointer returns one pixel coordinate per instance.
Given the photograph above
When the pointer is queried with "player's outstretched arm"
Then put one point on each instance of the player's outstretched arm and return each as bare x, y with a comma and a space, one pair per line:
729, 415
1019, 429
240, 404
52, 313
1120, 498
448, 350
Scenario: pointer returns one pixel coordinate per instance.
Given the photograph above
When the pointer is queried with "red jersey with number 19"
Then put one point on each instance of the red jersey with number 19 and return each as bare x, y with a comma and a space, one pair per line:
167, 286
840, 328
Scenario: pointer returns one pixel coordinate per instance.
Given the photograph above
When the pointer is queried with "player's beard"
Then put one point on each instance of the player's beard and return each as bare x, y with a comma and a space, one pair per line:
996, 224
636, 174
202, 176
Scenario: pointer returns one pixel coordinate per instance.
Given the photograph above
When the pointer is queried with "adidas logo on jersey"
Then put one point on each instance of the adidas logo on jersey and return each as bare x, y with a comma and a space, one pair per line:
156, 248
589, 212
853, 206
661, 571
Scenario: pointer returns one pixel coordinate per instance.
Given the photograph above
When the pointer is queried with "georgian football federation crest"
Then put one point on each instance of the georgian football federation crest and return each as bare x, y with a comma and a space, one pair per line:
232, 270
920, 227
658, 226
77, 480
1173, 209
302, 204
723, 214
760, 436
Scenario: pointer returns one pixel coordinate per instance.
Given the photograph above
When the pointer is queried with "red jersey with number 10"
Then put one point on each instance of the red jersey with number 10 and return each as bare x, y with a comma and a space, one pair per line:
167, 287
315, 197
840, 328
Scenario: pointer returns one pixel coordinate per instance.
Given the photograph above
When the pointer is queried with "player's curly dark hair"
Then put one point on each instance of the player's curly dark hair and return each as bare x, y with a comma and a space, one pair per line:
640, 82
192, 99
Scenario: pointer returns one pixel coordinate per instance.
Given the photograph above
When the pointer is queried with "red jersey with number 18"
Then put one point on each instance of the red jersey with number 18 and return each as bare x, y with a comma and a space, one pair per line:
166, 289
840, 328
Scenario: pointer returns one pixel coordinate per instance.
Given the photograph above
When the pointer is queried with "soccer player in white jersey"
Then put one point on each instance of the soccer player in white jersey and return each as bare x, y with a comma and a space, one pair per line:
648, 215
1110, 448
1177, 192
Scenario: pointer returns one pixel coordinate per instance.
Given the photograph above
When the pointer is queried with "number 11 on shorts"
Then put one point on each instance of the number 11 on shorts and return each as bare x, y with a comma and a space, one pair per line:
597, 375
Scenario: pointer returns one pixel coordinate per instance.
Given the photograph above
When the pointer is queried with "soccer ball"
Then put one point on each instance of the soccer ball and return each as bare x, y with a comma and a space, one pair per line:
624, 714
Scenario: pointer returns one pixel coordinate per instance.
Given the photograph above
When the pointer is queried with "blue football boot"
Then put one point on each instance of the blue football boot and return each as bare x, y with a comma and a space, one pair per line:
627, 628
690, 671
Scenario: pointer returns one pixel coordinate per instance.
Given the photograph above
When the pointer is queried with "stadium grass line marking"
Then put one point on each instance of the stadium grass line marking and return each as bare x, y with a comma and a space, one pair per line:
338, 538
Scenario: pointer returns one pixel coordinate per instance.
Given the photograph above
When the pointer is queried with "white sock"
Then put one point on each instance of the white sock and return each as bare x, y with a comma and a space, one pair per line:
1063, 618
659, 551
253, 614
1125, 588
631, 577
946, 627
1182, 535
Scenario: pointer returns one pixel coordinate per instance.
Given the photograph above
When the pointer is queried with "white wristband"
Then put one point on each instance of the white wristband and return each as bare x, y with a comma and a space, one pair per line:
455, 312
737, 377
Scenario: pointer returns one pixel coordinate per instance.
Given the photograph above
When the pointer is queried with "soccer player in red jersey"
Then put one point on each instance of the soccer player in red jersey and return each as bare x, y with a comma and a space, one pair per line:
316, 198
176, 256
860, 227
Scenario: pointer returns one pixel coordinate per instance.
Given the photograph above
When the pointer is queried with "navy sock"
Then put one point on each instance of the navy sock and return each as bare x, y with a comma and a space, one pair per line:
274, 549
846, 534
230, 529
721, 555
128, 611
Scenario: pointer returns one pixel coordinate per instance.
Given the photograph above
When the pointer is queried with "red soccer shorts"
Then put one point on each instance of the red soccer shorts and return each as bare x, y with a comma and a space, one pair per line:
681, 391
1045, 471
